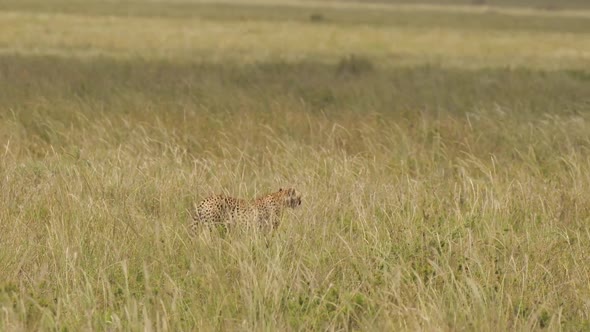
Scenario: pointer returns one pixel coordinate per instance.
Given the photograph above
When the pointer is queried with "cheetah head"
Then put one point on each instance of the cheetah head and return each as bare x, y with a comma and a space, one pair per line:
291, 197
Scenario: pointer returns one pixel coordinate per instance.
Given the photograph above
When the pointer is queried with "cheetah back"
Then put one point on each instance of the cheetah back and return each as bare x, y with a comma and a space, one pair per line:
219, 209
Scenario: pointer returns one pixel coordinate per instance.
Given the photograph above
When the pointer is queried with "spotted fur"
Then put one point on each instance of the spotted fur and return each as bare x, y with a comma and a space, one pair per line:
265, 210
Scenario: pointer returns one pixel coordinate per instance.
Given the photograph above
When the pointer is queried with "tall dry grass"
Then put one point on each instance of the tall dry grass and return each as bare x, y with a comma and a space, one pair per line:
434, 199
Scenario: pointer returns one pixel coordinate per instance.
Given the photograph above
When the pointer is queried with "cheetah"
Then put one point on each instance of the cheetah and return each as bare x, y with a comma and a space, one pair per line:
263, 211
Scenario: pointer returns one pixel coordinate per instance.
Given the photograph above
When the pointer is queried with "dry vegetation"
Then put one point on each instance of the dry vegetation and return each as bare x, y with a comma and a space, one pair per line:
450, 193
250, 34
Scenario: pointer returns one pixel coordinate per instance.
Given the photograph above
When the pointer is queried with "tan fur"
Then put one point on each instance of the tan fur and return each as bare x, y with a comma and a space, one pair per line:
263, 211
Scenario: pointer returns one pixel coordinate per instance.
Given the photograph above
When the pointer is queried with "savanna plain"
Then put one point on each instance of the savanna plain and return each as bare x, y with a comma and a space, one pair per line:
442, 150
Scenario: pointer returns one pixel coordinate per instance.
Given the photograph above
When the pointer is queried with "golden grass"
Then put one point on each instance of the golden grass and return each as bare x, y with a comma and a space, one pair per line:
467, 212
452, 193
254, 41
401, 6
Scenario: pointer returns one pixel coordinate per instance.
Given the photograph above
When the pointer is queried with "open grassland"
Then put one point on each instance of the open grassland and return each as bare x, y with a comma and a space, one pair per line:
445, 169
266, 33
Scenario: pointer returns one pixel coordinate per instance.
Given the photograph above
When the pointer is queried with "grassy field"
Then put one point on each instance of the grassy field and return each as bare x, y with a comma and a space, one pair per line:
443, 153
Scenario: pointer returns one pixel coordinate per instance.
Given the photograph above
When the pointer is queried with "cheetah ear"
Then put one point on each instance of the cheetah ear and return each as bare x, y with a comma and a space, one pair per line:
280, 189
